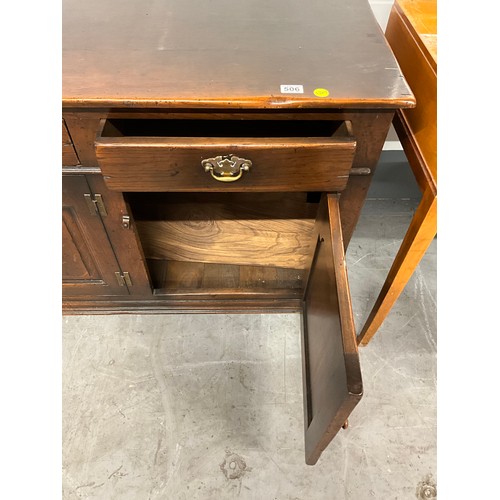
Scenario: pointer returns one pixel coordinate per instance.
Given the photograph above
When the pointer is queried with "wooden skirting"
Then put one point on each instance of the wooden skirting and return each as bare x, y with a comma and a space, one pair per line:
177, 306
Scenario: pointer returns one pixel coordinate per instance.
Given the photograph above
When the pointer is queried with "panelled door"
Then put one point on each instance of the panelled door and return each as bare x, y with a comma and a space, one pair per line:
331, 370
122, 233
89, 265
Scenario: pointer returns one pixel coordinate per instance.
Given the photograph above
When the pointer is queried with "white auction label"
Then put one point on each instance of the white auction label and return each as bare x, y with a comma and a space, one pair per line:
292, 89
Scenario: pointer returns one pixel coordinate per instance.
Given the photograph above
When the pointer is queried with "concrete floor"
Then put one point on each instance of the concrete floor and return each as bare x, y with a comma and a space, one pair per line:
210, 406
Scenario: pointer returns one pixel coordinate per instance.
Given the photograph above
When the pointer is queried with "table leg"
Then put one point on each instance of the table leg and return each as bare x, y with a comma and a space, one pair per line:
421, 232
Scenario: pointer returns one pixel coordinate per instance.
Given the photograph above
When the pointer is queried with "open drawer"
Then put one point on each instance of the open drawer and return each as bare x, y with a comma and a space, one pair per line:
330, 362
225, 154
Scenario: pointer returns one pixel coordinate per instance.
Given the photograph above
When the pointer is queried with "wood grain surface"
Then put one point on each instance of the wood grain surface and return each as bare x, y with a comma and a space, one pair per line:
125, 242
227, 54
69, 156
421, 20
260, 229
289, 155
419, 66
198, 277
88, 261
281, 243
331, 369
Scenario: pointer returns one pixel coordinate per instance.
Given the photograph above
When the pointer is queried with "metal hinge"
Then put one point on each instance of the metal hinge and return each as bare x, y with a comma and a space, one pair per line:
96, 205
123, 279
126, 221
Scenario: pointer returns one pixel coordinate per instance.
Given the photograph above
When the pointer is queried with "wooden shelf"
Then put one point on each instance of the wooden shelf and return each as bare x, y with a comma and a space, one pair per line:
205, 279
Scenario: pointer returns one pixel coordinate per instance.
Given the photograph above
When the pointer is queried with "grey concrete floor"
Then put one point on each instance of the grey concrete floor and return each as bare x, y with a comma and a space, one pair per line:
210, 406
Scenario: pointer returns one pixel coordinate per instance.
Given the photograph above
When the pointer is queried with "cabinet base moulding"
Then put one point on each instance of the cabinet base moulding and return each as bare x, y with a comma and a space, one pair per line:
187, 306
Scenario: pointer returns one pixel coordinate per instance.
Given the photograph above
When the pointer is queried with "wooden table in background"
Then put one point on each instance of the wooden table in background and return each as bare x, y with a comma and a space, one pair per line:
412, 34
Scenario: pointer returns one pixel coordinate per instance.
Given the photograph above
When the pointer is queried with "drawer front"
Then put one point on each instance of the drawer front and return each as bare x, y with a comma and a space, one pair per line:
132, 163
69, 157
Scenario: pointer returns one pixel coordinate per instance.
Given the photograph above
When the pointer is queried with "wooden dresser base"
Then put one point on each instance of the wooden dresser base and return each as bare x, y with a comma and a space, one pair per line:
187, 143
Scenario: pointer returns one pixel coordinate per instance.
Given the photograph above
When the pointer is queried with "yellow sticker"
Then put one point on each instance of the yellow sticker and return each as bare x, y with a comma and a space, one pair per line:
321, 93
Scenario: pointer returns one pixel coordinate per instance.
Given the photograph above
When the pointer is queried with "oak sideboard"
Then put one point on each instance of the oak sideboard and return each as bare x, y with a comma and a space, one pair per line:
216, 156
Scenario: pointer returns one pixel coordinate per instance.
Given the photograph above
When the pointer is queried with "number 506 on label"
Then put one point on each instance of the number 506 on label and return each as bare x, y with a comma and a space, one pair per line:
292, 89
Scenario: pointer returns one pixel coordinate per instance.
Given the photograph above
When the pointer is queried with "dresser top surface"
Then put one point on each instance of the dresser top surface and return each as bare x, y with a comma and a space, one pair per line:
228, 53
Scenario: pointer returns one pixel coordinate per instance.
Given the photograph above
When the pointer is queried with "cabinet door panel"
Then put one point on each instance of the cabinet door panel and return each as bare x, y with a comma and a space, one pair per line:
124, 238
77, 261
331, 371
89, 264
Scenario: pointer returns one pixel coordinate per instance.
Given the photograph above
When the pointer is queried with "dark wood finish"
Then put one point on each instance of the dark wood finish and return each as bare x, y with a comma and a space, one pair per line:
125, 241
175, 55
265, 296
189, 304
412, 31
130, 64
174, 163
370, 130
89, 263
221, 276
331, 370
178, 275
221, 206
69, 156
198, 277
210, 114
83, 126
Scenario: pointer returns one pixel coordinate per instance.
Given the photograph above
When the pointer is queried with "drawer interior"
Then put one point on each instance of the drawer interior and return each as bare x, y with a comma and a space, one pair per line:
229, 243
130, 127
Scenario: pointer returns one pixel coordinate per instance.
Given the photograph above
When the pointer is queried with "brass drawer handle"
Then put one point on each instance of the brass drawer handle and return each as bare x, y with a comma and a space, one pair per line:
226, 168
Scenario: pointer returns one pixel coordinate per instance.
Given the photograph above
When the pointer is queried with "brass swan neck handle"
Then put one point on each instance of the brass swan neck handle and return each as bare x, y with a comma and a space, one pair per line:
226, 168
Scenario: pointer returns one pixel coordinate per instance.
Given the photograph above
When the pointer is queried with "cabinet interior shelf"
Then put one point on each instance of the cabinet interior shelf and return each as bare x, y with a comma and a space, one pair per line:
226, 243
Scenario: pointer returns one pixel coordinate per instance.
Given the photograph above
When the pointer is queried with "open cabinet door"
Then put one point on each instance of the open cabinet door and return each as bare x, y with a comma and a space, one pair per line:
330, 363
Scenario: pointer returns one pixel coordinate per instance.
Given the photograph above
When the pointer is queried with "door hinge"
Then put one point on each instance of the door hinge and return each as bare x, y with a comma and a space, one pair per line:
123, 279
126, 221
95, 204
